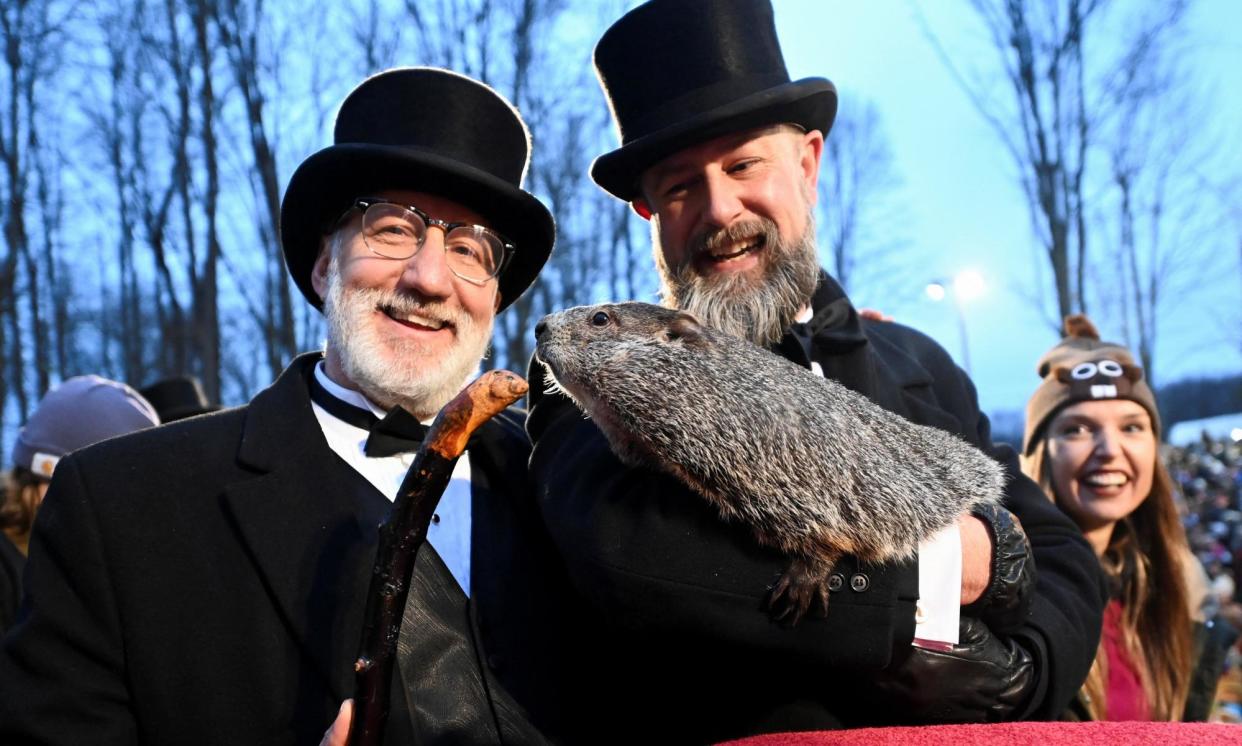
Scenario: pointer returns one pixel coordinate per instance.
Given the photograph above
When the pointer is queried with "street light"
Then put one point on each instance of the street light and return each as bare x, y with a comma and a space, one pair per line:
965, 286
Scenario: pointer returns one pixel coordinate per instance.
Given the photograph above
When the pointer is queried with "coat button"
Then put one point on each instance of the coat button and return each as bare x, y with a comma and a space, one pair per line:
435, 518
835, 582
860, 583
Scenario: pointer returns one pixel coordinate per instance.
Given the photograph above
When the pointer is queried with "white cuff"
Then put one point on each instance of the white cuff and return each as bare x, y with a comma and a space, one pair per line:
940, 588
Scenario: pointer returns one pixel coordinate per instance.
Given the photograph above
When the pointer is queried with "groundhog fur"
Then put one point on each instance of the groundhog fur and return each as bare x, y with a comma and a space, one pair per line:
813, 468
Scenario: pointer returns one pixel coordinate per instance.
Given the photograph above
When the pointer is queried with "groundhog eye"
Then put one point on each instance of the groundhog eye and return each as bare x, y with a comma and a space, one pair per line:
599, 319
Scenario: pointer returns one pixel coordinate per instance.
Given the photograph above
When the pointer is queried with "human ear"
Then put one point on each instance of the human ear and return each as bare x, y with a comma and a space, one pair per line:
319, 272
810, 151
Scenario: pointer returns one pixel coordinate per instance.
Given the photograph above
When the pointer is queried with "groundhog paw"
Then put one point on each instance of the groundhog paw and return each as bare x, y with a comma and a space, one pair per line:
802, 588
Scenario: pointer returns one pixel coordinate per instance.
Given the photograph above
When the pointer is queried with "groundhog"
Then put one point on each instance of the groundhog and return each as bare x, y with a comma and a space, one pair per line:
813, 468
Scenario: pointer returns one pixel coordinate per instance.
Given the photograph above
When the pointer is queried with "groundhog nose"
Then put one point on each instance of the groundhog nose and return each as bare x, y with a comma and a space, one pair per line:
541, 326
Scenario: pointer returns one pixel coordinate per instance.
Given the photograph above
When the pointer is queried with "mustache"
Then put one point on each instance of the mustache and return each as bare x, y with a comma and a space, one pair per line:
713, 239
396, 303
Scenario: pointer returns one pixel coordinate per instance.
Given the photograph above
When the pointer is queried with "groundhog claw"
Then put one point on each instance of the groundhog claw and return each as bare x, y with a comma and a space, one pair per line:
801, 588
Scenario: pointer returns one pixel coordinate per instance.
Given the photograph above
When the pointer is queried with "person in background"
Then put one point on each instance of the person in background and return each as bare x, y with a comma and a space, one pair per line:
81, 411
1092, 443
11, 563
178, 397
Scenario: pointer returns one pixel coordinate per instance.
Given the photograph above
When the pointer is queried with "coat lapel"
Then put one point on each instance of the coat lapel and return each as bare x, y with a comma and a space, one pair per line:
498, 453
302, 517
863, 360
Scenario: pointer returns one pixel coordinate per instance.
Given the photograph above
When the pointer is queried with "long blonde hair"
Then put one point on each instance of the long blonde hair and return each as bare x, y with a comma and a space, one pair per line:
1144, 560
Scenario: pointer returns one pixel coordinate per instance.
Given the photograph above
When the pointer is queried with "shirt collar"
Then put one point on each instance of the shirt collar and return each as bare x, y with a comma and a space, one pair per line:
349, 396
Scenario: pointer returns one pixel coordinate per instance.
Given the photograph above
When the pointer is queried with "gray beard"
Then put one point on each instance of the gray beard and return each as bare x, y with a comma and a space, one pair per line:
758, 309
394, 372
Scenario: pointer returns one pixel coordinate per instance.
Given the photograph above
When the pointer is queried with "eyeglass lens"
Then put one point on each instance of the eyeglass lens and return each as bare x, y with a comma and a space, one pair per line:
391, 231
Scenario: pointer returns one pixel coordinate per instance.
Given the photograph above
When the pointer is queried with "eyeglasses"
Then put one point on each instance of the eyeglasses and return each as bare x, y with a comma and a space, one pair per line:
395, 231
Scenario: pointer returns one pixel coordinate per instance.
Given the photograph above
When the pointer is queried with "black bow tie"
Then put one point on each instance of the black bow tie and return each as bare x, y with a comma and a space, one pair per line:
398, 432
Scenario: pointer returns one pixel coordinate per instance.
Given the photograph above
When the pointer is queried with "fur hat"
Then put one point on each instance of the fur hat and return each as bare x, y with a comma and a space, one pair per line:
1082, 368
75, 414
429, 130
680, 72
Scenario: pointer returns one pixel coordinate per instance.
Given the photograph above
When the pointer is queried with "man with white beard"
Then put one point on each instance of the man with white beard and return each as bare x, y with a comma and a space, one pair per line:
720, 150
205, 583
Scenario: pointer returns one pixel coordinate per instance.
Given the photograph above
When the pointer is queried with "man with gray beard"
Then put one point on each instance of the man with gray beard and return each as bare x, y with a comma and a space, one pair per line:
205, 583
720, 150
759, 309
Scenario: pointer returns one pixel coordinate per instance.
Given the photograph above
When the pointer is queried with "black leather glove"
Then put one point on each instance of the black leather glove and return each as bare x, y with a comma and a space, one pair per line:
982, 679
1007, 599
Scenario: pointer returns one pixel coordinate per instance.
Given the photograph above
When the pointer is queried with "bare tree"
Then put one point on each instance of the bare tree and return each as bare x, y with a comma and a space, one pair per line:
376, 40
241, 25
48, 162
206, 298
116, 118
857, 202
1153, 166
163, 177
1059, 92
30, 33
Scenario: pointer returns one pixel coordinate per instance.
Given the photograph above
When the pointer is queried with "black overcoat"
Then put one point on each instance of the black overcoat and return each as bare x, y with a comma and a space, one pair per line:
685, 651
203, 583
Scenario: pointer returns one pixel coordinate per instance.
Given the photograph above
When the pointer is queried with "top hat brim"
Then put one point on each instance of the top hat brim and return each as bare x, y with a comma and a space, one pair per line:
326, 184
810, 103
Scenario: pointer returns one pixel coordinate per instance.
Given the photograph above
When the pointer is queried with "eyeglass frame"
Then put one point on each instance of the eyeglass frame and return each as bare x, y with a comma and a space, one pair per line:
507, 248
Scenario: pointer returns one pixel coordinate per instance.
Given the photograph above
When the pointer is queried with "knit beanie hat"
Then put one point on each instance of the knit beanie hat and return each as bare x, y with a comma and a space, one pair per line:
75, 414
1082, 368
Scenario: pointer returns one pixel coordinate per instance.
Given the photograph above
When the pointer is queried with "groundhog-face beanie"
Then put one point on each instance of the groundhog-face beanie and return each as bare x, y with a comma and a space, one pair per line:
1082, 368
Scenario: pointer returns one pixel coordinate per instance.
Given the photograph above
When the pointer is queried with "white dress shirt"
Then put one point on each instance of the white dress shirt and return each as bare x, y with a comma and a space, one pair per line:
449, 531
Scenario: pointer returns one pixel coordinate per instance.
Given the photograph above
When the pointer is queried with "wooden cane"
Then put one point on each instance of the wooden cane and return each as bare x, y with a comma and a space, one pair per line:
402, 534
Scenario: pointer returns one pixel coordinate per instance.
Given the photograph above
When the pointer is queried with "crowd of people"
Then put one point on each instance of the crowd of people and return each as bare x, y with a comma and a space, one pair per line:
1208, 475
202, 581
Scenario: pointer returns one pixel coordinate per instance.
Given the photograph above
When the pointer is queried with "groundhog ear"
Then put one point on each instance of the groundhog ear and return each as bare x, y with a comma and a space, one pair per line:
685, 328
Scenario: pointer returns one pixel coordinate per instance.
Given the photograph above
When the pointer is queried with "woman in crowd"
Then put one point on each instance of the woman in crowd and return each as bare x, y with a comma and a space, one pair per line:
1092, 442
75, 414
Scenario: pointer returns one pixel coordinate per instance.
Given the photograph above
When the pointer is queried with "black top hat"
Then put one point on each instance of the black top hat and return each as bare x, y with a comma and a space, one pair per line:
679, 72
429, 130
177, 398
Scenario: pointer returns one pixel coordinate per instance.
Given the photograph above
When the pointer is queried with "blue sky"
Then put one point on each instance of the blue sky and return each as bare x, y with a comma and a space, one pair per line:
964, 207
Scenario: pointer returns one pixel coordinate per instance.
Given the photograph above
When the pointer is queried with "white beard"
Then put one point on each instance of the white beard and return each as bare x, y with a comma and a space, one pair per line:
391, 370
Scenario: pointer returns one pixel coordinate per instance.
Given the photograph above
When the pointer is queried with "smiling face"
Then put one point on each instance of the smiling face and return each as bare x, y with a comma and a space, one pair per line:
733, 230
1101, 459
406, 332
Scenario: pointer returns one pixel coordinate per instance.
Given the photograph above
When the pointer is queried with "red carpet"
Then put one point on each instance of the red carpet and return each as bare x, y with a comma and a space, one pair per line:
1004, 734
